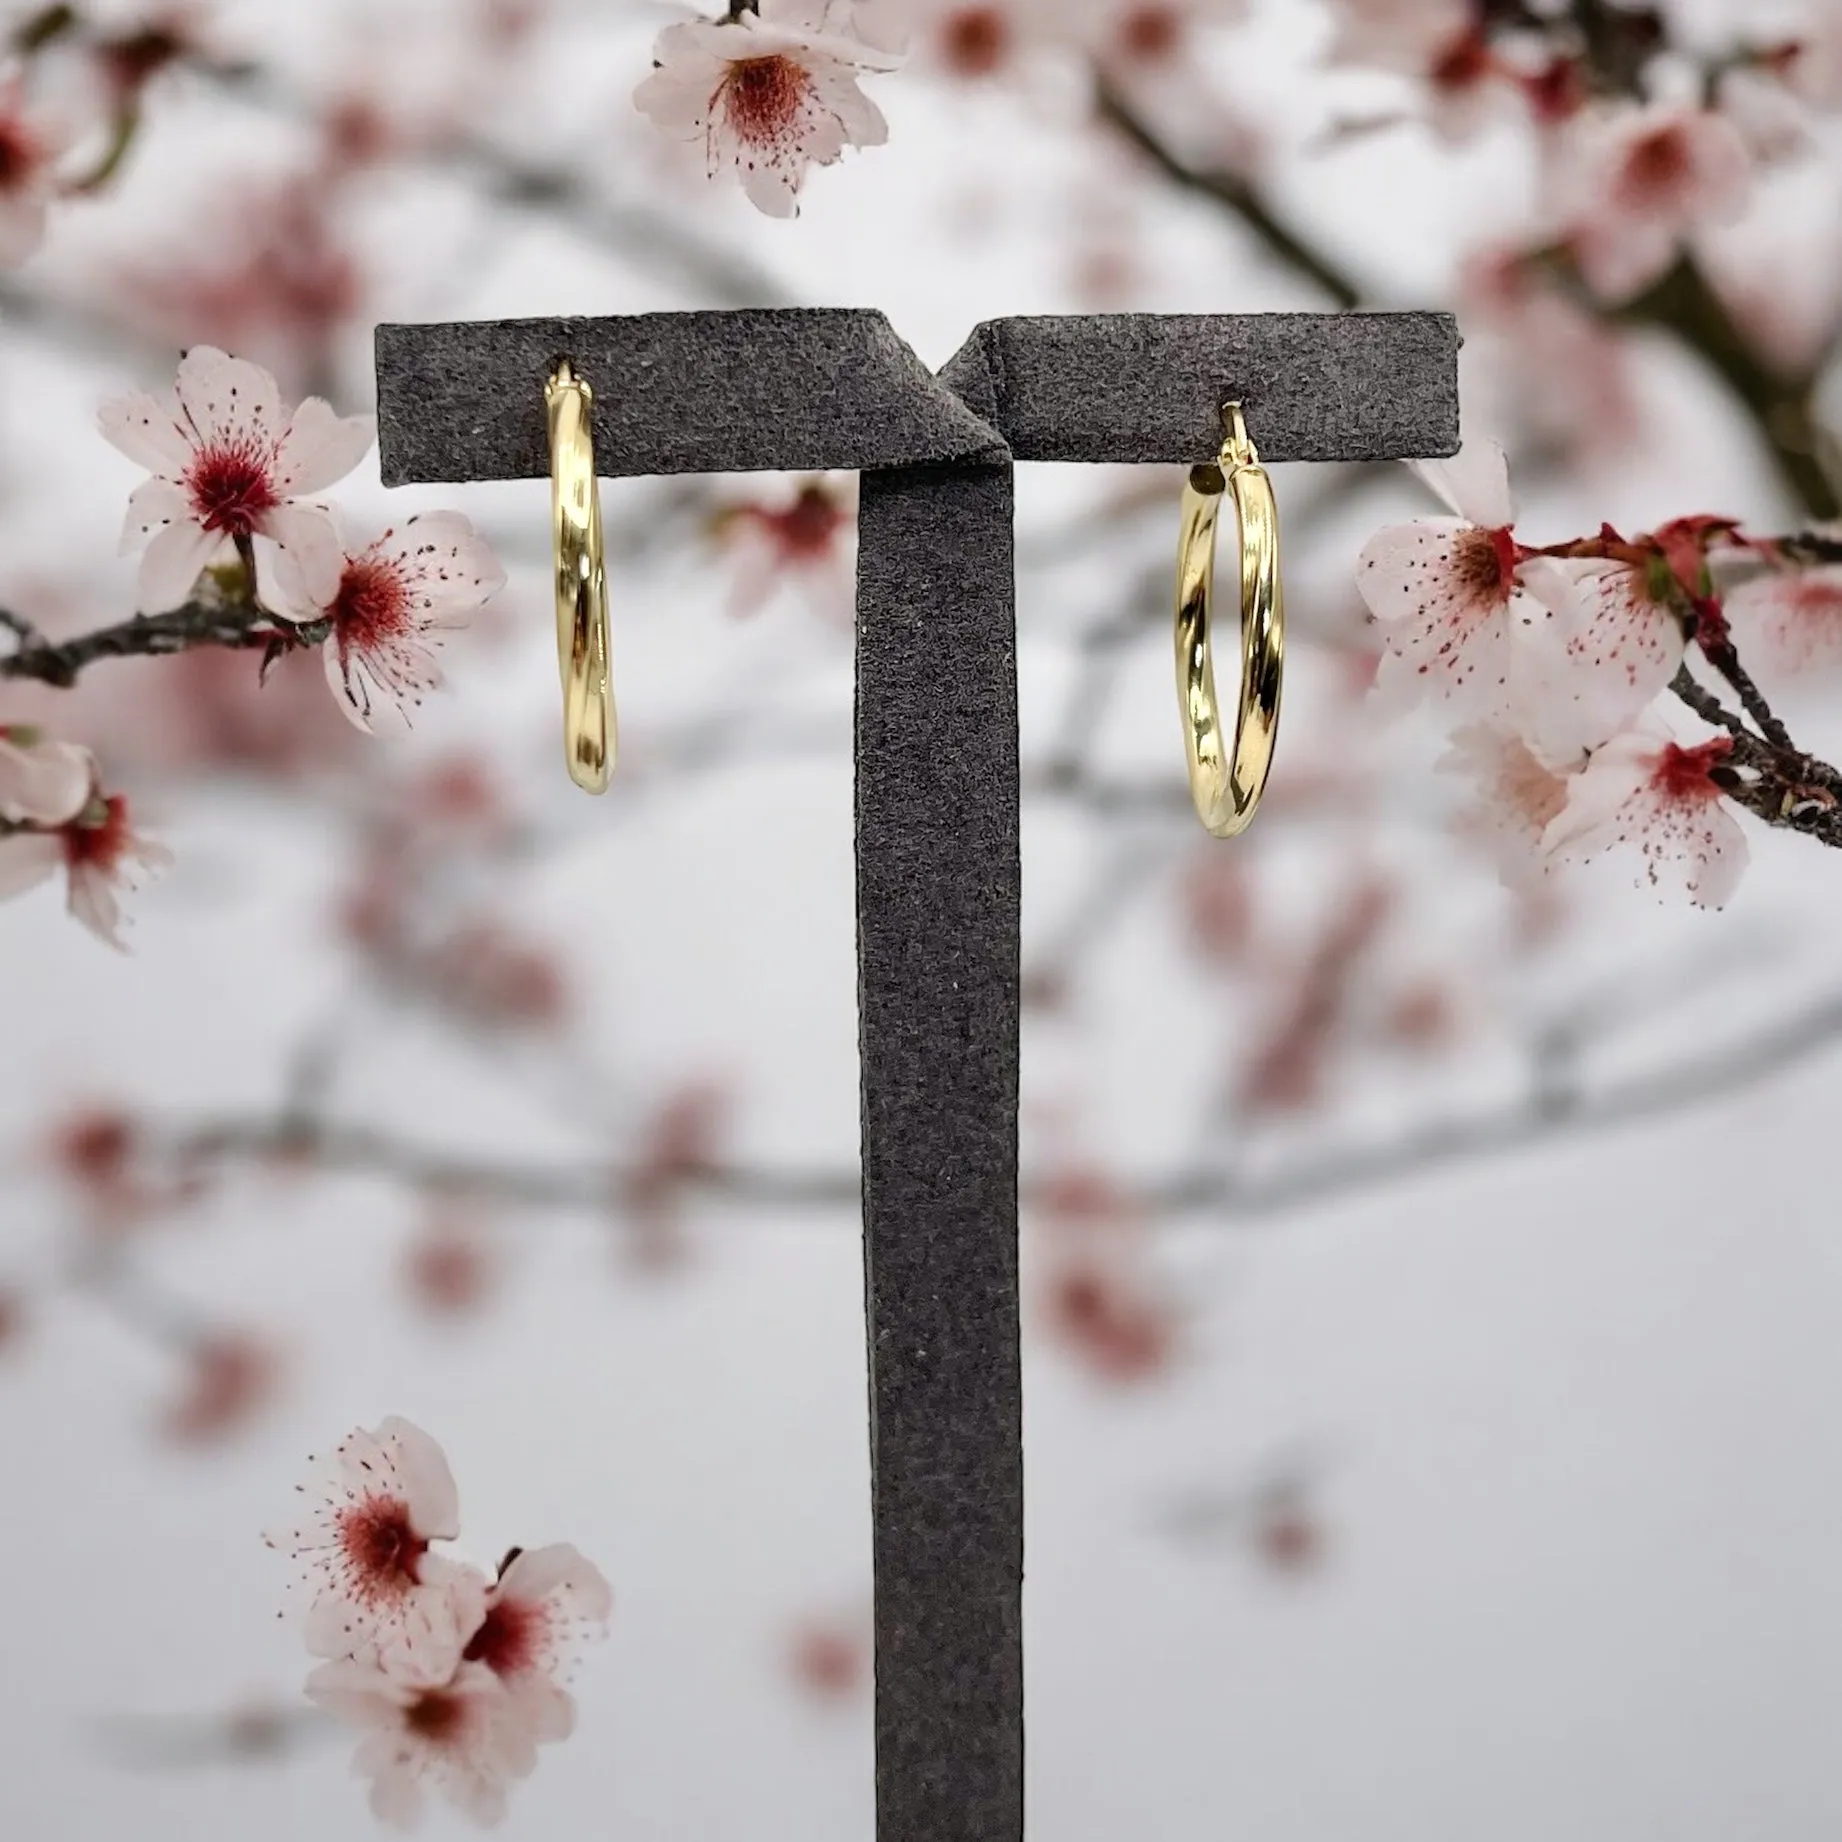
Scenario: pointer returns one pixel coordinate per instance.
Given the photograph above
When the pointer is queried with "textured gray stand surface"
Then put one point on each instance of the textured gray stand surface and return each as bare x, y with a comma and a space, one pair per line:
938, 877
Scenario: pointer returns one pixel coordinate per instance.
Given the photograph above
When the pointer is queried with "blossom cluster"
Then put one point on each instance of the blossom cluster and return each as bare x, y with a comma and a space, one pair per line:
54, 815
452, 1678
232, 537
1552, 660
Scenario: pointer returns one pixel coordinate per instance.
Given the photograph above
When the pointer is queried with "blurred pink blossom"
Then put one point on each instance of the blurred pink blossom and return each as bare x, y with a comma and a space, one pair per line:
1794, 616
1514, 796
462, 1736
768, 93
99, 852
805, 541
35, 137
829, 1661
229, 465
230, 1377
42, 781
1632, 181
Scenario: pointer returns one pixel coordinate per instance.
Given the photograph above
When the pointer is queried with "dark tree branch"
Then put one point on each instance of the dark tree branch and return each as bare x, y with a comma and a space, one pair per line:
198, 623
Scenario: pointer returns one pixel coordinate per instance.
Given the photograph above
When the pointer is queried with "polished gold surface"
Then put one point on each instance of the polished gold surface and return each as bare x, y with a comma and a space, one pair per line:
1227, 779
590, 737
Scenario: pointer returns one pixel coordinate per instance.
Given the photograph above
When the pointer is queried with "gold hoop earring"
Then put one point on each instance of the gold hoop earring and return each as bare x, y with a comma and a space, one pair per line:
1226, 788
590, 734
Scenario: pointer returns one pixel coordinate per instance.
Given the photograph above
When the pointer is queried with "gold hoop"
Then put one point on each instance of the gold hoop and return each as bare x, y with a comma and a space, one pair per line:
1227, 788
590, 732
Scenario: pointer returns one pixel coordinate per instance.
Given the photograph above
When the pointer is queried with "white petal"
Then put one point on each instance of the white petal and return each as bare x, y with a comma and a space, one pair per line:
149, 431
1606, 656
1473, 484
310, 538
92, 900
1421, 584
447, 567
153, 506
321, 447
230, 397
26, 860
22, 227
46, 784
173, 563
428, 1483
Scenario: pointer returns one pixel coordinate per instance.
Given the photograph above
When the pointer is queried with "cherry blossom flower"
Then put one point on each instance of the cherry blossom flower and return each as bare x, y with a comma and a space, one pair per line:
230, 1377
386, 605
230, 465
452, 1266
1645, 790
1407, 36
461, 1736
1614, 644
1107, 1317
828, 1661
34, 139
99, 852
1793, 616
42, 781
769, 93
1632, 182
546, 1607
377, 1592
1446, 592
1515, 796
805, 542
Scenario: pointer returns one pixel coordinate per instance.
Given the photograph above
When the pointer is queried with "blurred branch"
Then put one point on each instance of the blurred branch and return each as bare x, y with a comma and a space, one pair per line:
1240, 196
1548, 1113
1782, 408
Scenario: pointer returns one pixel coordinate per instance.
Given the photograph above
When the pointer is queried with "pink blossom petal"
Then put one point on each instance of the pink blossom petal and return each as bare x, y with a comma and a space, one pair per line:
154, 506
447, 567
225, 397
1609, 653
44, 782
1473, 484
308, 537
321, 447
1430, 587
434, 1499
147, 430
1688, 841
381, 687
26, 860
172, 564
92, 900
22, 228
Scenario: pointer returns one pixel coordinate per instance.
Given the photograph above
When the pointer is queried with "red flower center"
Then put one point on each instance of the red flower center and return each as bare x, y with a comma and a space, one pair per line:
1151, 33
231, 487
975, 40
372, 605
19, 153
435, 1715
1682, 773
762, 97
1485, 562
100, 844
382, 1546
507, 1641
1464, 62
1656, 166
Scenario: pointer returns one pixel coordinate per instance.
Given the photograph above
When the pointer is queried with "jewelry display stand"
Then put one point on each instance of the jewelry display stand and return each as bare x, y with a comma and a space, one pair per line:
937, 814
